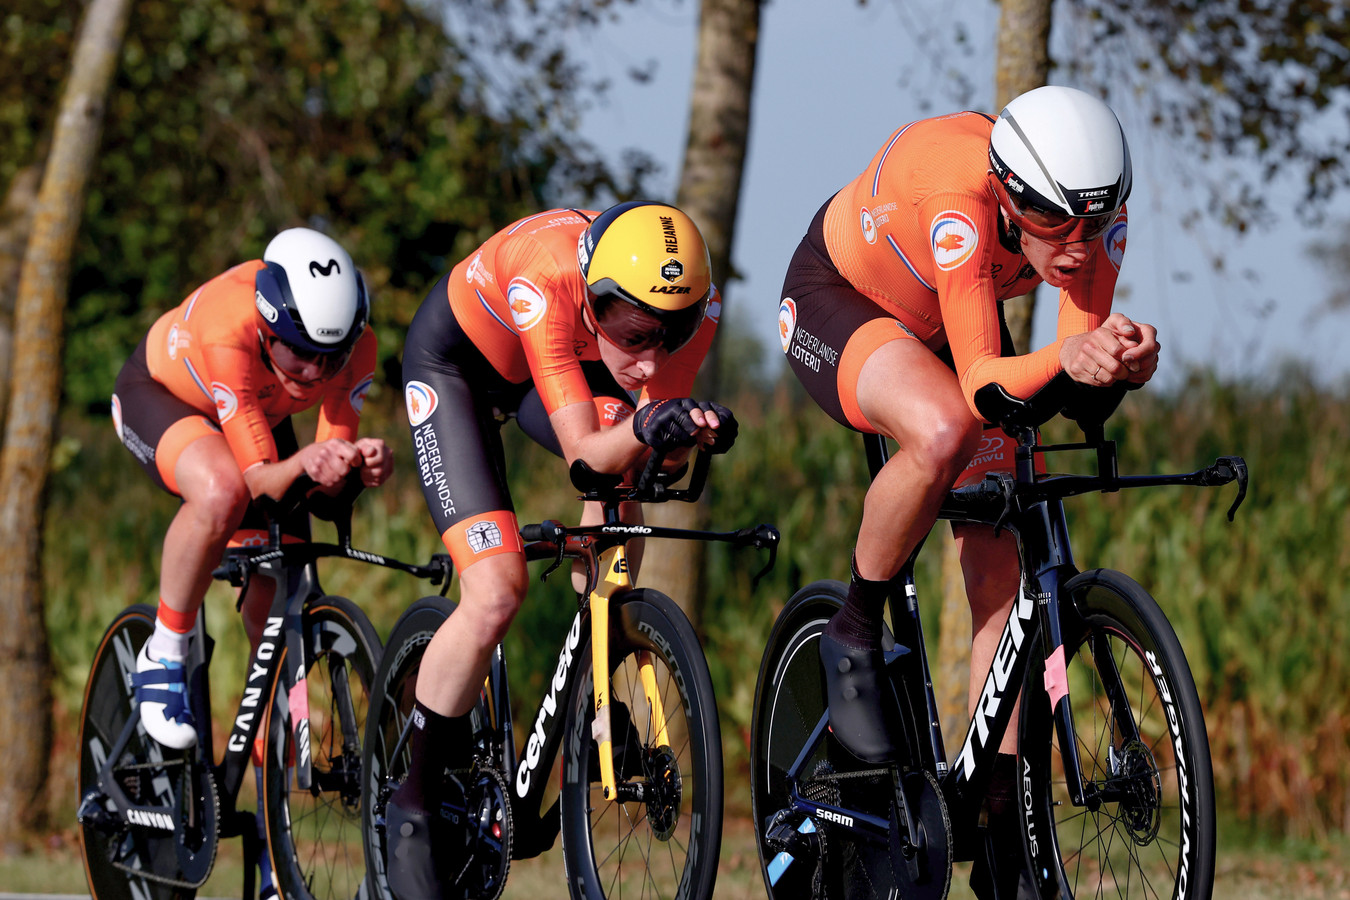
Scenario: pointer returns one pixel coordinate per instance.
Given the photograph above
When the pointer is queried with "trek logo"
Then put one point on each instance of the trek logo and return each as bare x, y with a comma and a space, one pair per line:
248, 706
315, 270
534, 750
157, 820
1183, 777
996, 686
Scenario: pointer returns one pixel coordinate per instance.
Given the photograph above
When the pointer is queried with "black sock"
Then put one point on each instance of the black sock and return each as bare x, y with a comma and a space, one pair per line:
858, 624
1002, 791
434, 740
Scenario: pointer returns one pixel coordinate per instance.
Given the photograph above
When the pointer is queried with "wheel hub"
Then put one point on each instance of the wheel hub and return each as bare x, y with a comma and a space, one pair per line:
664, 791
1142, 792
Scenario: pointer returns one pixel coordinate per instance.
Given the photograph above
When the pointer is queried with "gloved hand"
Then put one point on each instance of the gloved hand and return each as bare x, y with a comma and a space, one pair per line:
665, 425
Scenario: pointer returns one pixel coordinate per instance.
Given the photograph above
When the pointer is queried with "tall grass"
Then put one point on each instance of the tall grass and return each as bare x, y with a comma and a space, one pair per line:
1261, 605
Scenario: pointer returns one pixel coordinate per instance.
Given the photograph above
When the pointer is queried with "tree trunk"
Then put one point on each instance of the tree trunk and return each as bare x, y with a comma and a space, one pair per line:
16, 222
1023, 63
710, 190
25, 665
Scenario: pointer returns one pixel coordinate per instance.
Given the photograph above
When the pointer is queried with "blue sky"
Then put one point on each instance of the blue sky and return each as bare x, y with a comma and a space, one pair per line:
834, 79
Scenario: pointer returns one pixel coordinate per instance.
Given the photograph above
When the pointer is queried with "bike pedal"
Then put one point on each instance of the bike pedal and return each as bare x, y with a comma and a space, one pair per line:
797, 844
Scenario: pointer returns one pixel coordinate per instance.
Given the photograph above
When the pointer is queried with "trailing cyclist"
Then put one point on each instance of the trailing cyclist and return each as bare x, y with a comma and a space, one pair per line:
891, 316
205, 404
567, 321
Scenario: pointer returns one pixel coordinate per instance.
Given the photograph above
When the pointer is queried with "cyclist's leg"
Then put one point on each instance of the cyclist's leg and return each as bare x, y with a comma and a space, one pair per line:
453, 397
184, 453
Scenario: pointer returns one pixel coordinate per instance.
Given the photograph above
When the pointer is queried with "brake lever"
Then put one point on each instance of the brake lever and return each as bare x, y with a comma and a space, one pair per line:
1006, 485
1237, 471
764, 536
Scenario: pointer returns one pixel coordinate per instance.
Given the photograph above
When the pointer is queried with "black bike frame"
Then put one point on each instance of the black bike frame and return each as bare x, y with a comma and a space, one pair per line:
1030, 507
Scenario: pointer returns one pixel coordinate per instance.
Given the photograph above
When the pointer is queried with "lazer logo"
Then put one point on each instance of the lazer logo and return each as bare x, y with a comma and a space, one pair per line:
315, 270
248, 706
668, 289
1183, 777
996, 686
534, 750
837, 818
157, 820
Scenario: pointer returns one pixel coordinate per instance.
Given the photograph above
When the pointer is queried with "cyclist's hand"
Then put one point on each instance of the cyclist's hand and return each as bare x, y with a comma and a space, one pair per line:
377, 461
1119, 349
666, 425
329, 462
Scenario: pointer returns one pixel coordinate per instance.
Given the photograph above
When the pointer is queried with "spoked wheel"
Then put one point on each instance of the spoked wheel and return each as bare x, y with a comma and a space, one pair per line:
1146, 827
789, 705
170, 851
480, 797
314, 833
662, 835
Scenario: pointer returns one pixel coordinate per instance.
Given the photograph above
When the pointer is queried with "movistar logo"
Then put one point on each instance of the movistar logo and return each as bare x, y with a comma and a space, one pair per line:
316, 270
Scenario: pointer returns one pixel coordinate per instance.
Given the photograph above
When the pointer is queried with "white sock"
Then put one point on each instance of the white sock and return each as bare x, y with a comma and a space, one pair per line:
166, 643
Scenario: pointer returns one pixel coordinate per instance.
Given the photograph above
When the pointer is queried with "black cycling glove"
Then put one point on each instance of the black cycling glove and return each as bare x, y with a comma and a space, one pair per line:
665, 425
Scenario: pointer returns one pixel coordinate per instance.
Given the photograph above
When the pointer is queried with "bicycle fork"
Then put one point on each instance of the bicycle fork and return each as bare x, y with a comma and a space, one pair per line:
614, 563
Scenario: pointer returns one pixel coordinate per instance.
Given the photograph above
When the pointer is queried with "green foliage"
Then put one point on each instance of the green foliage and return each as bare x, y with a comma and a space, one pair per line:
232, 120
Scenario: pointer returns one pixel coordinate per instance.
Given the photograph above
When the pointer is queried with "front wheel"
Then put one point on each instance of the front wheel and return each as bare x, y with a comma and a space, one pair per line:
314, 834
1146, 827
662, 836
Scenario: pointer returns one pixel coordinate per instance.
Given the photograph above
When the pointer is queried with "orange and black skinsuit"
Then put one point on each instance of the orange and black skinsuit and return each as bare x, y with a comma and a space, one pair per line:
914, 248
504, 335
202, 369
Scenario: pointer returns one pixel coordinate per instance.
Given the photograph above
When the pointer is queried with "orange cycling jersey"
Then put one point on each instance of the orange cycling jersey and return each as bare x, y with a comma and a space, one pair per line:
918, 233
519, 299
207, 353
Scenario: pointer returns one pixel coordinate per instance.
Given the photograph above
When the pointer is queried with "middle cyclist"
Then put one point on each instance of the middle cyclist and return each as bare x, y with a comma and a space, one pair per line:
559, 320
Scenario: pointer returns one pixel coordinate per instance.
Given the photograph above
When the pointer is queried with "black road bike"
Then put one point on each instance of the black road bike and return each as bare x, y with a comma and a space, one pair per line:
630, 705
1115, 786
151, 817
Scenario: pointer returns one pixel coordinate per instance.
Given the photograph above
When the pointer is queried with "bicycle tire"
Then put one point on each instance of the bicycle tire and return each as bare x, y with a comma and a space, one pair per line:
1155, 835
675, 835
314, 835
391, 703
789, 701
109, 852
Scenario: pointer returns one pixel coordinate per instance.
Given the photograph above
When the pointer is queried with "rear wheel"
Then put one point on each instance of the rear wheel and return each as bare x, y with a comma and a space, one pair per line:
662, 837
314, 834
1147, 828
790, 704
170, 783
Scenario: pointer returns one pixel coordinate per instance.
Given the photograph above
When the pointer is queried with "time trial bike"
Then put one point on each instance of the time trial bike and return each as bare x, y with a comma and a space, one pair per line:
1115, 792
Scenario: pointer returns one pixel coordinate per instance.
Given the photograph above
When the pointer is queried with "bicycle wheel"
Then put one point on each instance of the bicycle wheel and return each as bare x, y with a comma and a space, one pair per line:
666, 844
789, 704
314, 834
391, 704
150, 775
1147, 829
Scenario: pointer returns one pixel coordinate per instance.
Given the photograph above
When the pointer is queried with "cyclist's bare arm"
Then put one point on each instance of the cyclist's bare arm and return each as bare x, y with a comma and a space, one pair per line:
327, 462
577, 427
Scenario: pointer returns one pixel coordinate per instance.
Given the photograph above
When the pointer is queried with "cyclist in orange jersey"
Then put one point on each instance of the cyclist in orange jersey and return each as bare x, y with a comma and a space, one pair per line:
204, 403
891, 316
567, 321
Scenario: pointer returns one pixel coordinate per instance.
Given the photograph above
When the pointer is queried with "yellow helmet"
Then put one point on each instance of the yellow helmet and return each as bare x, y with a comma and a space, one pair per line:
648, 275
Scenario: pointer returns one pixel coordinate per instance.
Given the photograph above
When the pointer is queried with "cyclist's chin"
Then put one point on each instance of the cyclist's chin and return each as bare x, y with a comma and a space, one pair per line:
301, 390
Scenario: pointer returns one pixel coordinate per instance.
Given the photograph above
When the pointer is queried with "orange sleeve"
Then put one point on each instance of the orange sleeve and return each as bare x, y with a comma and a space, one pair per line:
233, 374
544, 307
343, 398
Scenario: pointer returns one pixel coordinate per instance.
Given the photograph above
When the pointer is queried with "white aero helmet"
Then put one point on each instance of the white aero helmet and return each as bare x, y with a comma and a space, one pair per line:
1060, 165
310, 294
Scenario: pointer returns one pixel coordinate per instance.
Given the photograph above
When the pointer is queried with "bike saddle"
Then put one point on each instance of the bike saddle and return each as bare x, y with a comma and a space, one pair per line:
862, 717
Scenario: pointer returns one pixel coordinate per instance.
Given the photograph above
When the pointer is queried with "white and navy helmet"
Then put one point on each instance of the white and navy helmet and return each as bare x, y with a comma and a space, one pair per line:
1059, 163
310, 294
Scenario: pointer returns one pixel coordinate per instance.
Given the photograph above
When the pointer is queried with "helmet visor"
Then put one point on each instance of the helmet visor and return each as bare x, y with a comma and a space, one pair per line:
1056, 227
302, 365
633, 326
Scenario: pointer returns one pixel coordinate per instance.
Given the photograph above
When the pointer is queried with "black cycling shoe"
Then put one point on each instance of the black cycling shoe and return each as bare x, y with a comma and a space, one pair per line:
860, 716
427, 855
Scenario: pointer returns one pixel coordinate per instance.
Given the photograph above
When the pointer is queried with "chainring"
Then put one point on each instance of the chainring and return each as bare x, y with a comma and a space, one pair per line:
488, 809
935, 828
